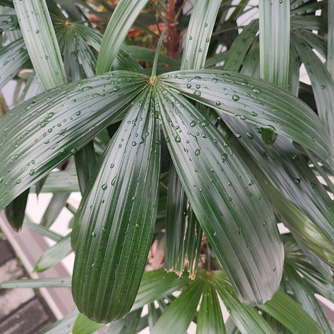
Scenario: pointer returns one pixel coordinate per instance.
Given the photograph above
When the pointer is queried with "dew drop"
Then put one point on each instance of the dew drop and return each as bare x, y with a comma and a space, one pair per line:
32, 172
178, 139
205, 123
193, 123
104, 186
224, 157
235, 98
197, 152
93, 234
249, 135
256, 90
296, 180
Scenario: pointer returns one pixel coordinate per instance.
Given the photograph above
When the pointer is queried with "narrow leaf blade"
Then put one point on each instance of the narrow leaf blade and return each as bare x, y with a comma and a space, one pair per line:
210, 319
178, 316
54, 254
199, 33
56, 282
40, 38
275, 41
48, 129
120, 23
286, 310
246, 319
83, 325
116, 217
12, 58
157, 284
63, 326
307, 299
228, 204
255, 101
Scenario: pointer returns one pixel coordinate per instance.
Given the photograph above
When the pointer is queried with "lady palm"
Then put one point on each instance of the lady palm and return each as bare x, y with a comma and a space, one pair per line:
224, 151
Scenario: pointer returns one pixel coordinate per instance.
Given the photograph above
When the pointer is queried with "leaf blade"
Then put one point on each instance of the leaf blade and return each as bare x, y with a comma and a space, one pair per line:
83, 325
115, 222
41, 42
56, 282
121, 21
246, 319
180, 312
207, 168
285, 310
199, 33
210, 319
157, 284
12, 57
275, 42
54, 254
252, 100
74, 113
307, 299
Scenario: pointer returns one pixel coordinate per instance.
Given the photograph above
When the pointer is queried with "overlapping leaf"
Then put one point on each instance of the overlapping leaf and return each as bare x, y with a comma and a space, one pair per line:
120, 23
41, 42
42, 132
157, 284
12, 58
286, 310
255, 101
199, 33
227, 201
210, 319
54, 254
180, 313
116, 217
246, 319
307, 299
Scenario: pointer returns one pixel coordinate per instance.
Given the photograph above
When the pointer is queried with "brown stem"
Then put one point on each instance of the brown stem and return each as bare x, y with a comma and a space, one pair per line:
173, 35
